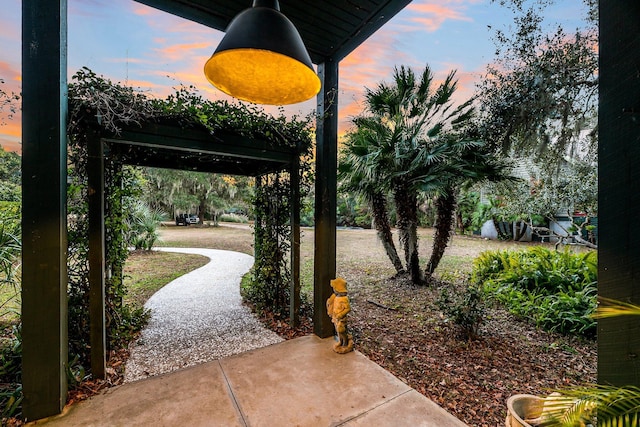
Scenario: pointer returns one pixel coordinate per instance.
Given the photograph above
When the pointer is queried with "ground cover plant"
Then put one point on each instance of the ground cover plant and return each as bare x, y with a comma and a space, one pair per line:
557, 290
10, 340
400, 326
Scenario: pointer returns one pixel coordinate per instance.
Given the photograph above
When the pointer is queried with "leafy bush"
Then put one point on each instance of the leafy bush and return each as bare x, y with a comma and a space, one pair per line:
232, 217
10, 250
466, 311
129, 323
122, 187
11, 376
11, 349
558, 290
143, 223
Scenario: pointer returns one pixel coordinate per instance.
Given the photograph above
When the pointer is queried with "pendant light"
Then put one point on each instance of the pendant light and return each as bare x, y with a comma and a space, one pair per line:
262, 59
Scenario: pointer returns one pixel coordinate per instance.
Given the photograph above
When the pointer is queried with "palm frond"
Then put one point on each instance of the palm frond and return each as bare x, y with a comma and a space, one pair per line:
613, 308
614, 406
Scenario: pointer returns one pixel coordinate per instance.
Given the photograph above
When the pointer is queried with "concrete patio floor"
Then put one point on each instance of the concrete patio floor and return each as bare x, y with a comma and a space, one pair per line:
301, 382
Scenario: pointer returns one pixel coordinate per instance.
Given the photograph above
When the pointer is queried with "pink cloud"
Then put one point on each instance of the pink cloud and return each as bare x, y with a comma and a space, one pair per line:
11, 30
430, 16
144, 10
10, 123
9, 73
368, 65
10, 144
177, 52
11, 136
168, 23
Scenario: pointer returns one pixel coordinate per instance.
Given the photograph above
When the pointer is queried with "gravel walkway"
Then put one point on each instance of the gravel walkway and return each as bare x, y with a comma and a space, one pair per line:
197, 318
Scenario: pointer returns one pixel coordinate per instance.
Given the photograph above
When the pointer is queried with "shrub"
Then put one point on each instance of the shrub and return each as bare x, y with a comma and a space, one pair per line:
142, 226
10, 244
232, 217
10, 349
11, 376
557, 290
466, 311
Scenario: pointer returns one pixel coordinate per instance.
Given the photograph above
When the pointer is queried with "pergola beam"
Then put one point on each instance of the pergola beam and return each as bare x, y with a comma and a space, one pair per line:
154, 135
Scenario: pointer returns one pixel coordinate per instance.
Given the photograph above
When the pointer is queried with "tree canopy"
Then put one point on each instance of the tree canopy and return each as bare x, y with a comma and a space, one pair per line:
10, 176
539, 105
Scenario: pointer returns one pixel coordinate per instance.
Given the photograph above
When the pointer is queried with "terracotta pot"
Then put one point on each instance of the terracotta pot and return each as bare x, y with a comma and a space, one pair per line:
521, 407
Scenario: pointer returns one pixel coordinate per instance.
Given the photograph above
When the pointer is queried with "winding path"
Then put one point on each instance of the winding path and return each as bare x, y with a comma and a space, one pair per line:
197, 318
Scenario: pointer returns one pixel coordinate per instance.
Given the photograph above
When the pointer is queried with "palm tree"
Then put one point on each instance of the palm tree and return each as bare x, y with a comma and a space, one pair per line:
469, 162
409, 116
411, 140
356, 177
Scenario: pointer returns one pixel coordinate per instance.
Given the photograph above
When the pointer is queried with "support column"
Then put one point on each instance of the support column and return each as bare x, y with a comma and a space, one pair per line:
44, 198
325, 209
257, 224
294, 294
619, 188
97, 329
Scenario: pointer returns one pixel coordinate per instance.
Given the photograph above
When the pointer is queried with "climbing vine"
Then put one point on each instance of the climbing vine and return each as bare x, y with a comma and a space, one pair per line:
97, 104
268, 284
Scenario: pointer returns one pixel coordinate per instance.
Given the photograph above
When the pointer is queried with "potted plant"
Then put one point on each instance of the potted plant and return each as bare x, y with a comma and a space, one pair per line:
577, 406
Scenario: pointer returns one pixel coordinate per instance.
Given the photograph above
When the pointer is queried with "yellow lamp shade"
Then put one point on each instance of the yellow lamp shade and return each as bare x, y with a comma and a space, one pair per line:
262, 59
262, 76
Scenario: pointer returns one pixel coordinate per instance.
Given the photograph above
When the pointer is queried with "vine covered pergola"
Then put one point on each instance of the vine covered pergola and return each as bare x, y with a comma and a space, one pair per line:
330, 30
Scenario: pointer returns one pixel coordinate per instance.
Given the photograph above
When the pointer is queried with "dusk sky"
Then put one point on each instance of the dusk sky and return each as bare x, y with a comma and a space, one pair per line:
136, 45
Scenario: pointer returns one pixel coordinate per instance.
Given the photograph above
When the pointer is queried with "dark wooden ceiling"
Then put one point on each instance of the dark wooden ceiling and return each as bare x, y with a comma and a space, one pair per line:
329, 28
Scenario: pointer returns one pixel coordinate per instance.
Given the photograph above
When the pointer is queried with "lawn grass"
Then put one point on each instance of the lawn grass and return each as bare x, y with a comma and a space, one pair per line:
9, 304
145, 272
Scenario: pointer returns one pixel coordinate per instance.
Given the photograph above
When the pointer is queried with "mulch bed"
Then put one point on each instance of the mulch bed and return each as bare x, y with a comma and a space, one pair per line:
90, 387
398, 325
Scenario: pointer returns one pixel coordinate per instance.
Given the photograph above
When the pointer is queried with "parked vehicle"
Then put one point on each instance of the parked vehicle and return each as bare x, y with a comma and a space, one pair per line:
187, 219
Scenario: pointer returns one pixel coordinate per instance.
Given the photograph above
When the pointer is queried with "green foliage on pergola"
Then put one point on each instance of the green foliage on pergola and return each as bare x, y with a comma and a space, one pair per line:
111, 125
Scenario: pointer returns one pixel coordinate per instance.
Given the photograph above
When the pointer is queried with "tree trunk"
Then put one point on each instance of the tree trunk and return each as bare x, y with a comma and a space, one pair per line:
202, 208
445, 209
461, 224
406, 209
383, 228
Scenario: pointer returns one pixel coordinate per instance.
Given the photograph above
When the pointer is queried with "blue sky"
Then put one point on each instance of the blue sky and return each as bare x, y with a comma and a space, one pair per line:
134, 44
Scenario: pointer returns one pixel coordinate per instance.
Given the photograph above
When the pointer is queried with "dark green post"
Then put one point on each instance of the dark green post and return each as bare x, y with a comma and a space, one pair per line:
619, 188
294, 298
44, 225
97, 331
257, 224
326, 182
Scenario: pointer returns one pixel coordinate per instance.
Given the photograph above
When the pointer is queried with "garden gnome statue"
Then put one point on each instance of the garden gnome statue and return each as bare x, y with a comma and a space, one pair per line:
337, 308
